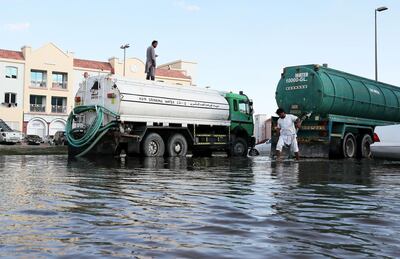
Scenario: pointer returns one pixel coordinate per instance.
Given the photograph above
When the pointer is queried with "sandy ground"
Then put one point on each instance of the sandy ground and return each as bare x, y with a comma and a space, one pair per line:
24, 149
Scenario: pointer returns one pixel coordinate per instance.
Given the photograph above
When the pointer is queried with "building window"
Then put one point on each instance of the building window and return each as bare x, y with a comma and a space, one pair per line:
11, 72
58, 104
37, 103
10, 98
59, 80
38, 78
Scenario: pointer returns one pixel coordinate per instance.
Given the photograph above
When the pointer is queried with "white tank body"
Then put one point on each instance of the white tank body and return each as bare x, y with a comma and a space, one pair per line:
154, 102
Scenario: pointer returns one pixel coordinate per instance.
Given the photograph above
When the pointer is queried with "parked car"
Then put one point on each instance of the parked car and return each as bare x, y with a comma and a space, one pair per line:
49, 139
33, 140
262, 149
8, 135
386, 142
59, 138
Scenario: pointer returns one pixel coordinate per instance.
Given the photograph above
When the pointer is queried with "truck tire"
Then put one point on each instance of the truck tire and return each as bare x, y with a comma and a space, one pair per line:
153, 146
364, 146
177, 146
349, 146
239, 147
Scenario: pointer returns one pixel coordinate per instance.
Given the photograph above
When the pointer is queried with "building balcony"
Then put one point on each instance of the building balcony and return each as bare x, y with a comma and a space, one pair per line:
38, 84
37, 108
59, 85
58, 109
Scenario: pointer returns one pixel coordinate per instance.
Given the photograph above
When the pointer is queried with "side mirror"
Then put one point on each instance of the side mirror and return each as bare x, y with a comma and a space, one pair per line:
251, 110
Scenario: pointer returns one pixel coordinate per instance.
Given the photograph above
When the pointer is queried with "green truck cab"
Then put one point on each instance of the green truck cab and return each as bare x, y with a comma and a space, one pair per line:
343, 109
242, 124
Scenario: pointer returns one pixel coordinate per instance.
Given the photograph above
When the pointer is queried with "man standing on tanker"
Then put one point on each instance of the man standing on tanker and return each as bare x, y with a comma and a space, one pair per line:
150, 68
287, 124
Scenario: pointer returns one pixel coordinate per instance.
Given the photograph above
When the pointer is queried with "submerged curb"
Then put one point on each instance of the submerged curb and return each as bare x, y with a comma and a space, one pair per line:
33, 150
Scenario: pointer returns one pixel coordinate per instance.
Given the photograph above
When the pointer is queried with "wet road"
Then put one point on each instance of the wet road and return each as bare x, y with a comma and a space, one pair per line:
194, 208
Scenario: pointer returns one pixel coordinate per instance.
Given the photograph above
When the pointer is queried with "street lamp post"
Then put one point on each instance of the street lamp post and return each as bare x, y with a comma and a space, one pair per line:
380, 9
124, 47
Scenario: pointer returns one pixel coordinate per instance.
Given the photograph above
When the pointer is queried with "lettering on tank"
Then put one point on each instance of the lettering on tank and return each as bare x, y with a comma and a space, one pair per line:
295, 87
298, 77
174, 102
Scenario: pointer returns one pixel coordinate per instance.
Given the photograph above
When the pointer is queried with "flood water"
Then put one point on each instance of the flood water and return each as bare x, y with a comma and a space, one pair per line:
196, 208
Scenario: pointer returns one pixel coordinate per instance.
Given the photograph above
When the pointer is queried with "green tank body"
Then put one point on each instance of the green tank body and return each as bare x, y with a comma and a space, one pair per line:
323, 91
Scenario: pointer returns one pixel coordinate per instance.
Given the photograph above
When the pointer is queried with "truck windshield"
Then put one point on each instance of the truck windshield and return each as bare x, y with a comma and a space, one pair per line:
244, 107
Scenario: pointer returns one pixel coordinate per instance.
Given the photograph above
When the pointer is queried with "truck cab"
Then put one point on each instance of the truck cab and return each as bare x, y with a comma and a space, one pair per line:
241, 118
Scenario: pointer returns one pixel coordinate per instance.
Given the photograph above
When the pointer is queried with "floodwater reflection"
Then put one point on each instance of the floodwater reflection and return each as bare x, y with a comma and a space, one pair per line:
197, 207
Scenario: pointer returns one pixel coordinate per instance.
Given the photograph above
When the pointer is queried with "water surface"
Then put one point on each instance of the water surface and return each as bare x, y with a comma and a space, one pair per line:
194, 208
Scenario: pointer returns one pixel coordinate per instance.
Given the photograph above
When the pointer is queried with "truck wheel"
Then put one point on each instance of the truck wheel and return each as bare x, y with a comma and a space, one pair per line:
153, 145
364, 146
239, 147
349, 146
177, 145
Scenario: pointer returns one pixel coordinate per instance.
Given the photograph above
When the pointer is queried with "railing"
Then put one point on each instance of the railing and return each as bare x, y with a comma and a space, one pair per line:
42, 84
58, 109
60, 85
37, 108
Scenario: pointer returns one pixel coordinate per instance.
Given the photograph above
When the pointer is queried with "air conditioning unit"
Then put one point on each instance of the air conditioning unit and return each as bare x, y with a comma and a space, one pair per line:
9, 105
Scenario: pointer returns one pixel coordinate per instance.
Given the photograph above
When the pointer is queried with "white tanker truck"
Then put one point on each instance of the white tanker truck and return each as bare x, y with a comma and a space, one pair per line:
114, 115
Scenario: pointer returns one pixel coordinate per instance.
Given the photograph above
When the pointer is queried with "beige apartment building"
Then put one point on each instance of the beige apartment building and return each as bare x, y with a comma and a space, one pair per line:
48, 89
38, 85
12, 76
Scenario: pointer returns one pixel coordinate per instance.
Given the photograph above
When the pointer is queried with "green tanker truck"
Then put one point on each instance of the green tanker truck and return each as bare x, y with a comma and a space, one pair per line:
340, 110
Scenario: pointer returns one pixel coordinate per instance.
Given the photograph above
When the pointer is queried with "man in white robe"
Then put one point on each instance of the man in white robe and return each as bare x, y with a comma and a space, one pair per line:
287, 124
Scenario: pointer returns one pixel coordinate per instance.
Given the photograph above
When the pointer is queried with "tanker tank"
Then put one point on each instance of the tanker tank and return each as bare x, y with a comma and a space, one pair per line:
147, 101
322, 90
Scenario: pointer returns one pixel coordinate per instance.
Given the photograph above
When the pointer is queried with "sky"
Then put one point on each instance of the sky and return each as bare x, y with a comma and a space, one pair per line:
238, 45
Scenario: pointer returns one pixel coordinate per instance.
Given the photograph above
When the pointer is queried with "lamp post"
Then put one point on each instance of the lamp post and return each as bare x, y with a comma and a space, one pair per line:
379, 9
124, 47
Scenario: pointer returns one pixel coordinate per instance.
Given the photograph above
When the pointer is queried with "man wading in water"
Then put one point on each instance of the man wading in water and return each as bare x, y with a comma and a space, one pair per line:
287, 124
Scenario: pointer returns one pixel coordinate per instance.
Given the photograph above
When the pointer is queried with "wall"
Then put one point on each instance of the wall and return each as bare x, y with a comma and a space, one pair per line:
259, 127
268, 128
12, 115
134, 68
187, 67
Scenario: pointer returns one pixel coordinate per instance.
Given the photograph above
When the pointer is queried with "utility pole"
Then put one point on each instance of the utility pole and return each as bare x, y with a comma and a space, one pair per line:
380, 9
124, 47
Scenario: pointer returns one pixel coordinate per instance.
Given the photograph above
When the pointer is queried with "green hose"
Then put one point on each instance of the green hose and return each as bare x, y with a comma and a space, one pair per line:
94, 132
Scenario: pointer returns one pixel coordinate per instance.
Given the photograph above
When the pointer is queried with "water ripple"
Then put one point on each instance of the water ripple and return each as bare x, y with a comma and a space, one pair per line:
195, 208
